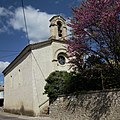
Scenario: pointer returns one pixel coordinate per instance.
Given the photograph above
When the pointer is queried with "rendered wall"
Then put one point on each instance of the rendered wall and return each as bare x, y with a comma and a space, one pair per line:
42, 65
41, 68
24, 84
18, 95
101, 105
56, 49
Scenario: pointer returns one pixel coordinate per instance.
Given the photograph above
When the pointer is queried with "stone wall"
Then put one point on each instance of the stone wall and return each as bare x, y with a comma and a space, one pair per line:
99, 105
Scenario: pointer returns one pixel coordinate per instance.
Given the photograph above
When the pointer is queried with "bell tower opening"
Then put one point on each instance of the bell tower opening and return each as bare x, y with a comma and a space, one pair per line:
58, 29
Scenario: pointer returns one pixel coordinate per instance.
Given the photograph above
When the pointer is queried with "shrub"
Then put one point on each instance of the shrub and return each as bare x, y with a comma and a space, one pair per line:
56, 84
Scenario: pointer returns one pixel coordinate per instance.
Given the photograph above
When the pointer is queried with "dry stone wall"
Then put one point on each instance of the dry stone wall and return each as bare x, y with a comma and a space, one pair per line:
99, 105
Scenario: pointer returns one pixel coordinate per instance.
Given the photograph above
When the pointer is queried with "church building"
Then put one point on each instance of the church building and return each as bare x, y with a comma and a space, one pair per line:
24, 78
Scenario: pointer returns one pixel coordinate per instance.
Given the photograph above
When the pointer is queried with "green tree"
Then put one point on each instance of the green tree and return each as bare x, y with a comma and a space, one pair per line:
56, 83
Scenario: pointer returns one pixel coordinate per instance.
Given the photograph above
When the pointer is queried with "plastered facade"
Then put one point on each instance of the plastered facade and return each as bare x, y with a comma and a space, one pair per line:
24, 78
18, 87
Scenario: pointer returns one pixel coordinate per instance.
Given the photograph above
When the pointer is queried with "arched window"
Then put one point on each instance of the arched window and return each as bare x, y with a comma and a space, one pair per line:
59, 24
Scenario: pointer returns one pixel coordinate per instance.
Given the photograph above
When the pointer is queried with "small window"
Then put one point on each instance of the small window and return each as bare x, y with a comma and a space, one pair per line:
61, 59
59, 24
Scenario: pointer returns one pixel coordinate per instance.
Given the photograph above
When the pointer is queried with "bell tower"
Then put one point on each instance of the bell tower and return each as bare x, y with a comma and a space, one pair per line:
58, 29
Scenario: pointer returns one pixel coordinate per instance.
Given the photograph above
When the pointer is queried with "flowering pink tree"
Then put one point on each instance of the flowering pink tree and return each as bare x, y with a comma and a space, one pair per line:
95, 31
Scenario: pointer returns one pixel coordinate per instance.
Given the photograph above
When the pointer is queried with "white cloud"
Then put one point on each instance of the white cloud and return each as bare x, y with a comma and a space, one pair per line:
37, 23
3, 11
4, 28
4, 17
3, 65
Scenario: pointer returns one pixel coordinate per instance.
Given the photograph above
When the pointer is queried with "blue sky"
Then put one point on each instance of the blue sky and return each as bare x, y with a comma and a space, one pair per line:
38, 12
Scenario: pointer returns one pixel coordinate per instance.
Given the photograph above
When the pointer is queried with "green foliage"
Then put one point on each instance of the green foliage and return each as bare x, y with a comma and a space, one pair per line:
85, 81
111, 78
56, 84
98, 76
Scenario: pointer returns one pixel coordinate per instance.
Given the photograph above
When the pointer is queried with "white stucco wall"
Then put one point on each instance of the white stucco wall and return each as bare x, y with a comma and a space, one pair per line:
24, 84
42, 65
56, 49
18, 86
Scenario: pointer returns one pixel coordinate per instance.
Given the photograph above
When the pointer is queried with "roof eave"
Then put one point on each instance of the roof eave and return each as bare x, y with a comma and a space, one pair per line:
27, 49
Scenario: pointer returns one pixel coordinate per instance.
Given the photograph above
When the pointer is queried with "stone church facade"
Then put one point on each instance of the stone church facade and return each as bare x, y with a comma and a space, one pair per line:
24, 78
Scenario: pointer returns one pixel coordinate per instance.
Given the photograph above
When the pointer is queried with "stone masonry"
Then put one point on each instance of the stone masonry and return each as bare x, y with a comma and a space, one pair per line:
99, 105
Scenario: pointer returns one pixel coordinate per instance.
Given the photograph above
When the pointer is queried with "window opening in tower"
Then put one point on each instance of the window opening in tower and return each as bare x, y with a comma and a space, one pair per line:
59, 28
